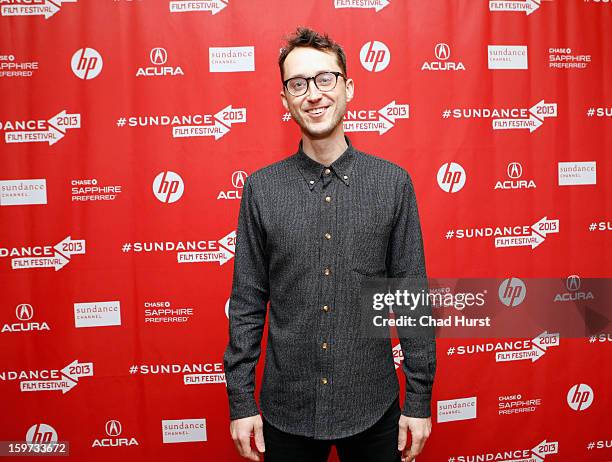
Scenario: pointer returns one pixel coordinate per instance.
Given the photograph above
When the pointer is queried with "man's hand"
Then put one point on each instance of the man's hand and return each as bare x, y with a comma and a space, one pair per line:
242, 430
420, 430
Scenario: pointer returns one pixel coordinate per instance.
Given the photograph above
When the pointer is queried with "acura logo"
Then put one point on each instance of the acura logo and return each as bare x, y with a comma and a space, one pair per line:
24, 312
158, 56
573, 282
442, 51
238, 179
515, 170
113, 428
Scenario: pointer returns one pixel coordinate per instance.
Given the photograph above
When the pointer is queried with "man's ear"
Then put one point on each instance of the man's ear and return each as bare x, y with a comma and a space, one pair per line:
350, 89
284, 100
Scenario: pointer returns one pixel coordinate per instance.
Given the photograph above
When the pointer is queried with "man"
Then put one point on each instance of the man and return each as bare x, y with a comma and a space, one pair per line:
311, 228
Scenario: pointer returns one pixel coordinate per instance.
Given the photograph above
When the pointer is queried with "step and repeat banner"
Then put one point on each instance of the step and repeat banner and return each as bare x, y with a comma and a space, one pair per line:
128, 127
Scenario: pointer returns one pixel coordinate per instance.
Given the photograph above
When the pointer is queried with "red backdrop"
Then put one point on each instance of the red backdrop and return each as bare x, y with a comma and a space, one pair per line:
501, 112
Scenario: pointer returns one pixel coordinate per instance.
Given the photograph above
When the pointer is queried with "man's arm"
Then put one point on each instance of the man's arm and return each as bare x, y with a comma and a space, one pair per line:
247, 307
405, 259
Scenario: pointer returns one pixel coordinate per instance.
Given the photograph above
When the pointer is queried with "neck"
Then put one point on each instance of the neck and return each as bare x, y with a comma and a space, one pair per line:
325, 150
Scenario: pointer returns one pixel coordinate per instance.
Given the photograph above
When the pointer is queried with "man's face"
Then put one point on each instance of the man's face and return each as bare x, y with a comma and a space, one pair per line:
317, 113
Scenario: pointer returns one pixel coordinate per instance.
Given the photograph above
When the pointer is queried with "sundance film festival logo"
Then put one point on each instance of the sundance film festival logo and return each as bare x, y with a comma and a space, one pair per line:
376, 5
442, 63
168, 187
514, 170
380, 121
537, 453
512, 292
184, 6
193, 373
62, 380
44, 256
371, 120
507, 57
86, 63
398, 356
507, 118
451, 177
238, 179
599, 112
201, 251
159, 58
526, 6
23, 192
46, 8
511, 350
24, 314
580, 397
114, 437
191, 125
375, 56
40, 130
510, 236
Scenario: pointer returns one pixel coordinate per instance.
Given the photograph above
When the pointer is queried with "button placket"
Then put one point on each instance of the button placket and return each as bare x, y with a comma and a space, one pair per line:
328, 262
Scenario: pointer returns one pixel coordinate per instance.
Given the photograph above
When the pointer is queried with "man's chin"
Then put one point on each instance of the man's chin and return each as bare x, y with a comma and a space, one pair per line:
317, 131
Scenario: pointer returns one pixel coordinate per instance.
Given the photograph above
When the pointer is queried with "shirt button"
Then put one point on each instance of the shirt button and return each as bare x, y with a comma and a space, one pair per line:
324, 345
327, 171
327, 198
327, 236
345, 177
311, 181
327, 272
324, 380
325, 308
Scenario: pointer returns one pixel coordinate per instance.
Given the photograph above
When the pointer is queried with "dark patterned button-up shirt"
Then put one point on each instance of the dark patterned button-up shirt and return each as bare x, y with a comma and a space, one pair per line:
307, 236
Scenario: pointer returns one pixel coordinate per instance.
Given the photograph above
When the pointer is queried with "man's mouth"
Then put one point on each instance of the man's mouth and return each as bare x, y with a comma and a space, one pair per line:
317, 111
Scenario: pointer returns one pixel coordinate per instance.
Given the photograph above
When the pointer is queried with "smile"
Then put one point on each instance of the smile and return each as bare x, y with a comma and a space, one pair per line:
316, 112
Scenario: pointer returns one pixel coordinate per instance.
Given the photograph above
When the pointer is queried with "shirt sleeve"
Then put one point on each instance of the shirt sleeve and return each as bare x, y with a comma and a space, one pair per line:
405, 259
247, 308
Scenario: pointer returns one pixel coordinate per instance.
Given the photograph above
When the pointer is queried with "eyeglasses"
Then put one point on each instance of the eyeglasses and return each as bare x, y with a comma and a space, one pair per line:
325, 81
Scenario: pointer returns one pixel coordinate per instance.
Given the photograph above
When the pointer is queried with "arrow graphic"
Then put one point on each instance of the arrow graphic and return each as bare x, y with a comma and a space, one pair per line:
183, 6
537, 350
381, 125
377, 5
393, 111
240, 115
83, 370
528, 6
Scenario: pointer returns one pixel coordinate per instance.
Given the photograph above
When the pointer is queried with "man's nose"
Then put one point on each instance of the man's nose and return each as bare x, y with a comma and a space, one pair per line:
313, 92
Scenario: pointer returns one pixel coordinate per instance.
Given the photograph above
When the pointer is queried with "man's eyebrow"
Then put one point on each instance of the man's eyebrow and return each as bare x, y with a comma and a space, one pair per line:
304, 75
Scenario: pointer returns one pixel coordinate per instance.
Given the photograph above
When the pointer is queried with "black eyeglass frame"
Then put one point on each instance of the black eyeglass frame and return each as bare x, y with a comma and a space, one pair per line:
308, 79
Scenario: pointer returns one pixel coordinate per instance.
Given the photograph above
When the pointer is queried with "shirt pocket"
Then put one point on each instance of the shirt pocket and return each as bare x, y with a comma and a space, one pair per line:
371, 231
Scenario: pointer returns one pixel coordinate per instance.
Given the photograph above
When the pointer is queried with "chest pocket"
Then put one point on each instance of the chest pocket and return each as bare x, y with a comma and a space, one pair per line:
371, 230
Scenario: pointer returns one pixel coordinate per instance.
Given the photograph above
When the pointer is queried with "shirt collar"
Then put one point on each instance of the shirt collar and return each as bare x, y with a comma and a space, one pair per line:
312, 171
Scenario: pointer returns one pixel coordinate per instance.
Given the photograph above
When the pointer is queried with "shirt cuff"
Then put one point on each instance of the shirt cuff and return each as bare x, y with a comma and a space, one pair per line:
417, 405
242, 405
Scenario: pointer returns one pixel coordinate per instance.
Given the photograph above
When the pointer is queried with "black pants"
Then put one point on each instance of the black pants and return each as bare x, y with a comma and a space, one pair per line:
376, 444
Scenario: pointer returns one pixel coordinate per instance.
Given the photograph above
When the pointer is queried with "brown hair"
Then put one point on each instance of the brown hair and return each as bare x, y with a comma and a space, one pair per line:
305, 37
